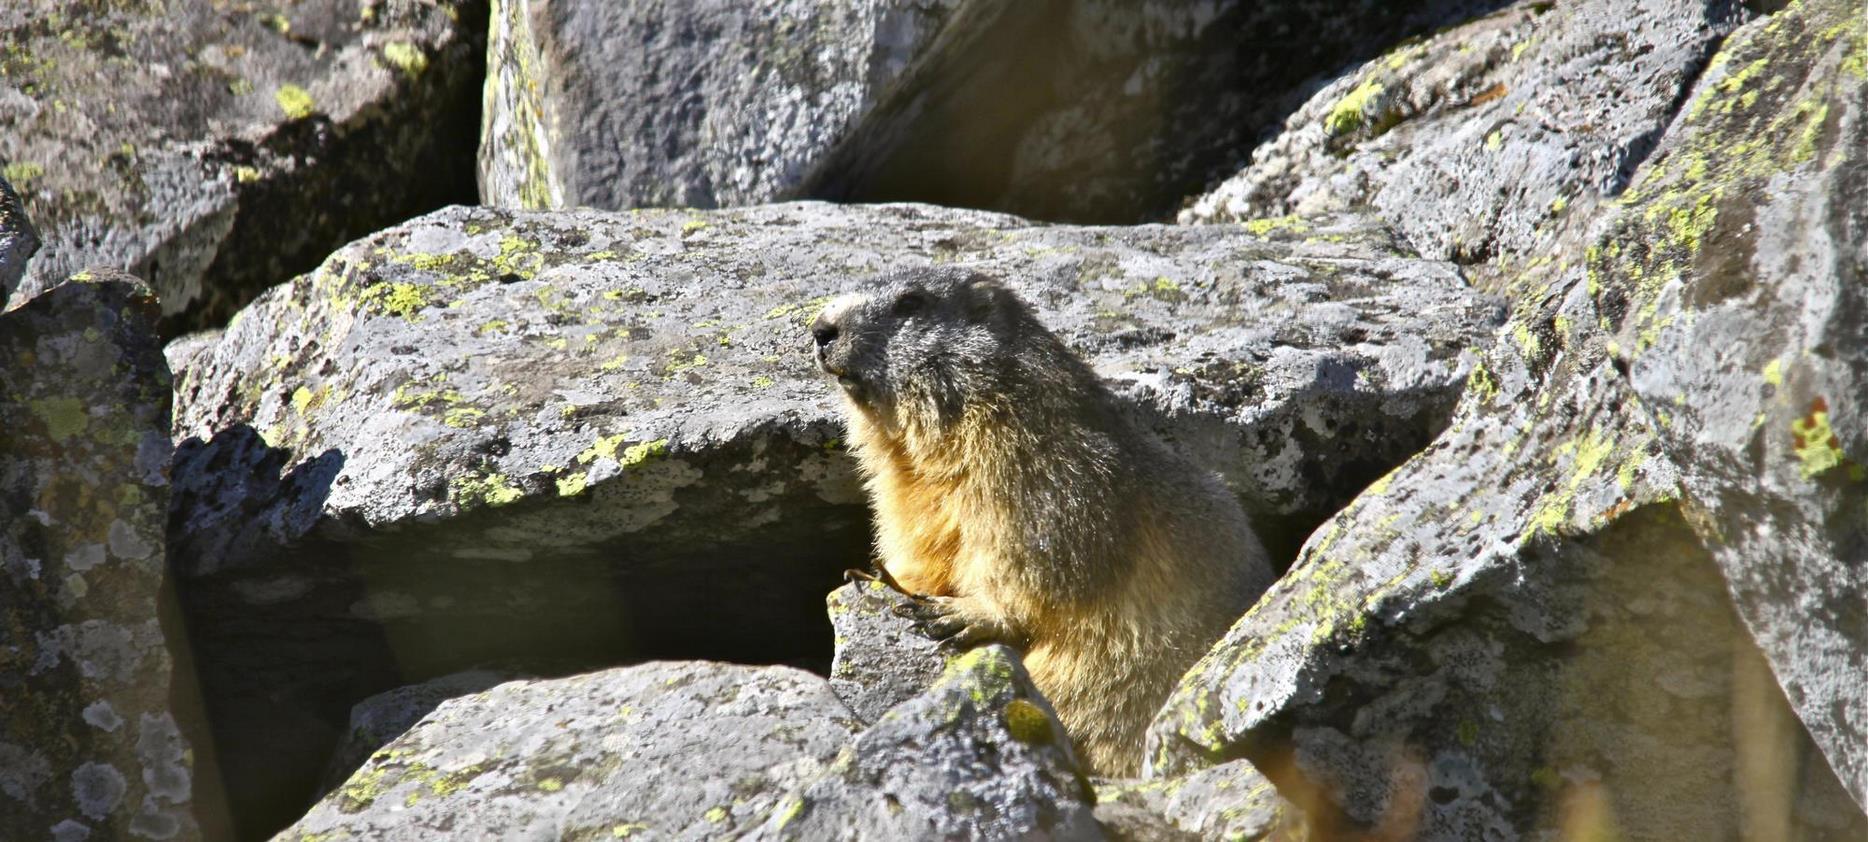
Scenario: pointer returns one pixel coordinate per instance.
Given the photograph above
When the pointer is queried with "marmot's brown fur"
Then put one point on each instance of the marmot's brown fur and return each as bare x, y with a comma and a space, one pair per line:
1015, 495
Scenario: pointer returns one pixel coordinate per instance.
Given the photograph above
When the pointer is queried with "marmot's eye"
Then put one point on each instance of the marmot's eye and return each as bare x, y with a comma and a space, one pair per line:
910, 302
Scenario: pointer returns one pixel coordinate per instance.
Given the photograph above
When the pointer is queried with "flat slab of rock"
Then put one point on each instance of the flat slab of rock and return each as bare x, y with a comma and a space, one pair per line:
980, 755
1488, 137
215, 150
669, 750
477, 359
89, 746
1539, 610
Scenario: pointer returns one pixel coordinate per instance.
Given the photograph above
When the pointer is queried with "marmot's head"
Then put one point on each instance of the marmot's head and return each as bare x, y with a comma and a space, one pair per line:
922, 340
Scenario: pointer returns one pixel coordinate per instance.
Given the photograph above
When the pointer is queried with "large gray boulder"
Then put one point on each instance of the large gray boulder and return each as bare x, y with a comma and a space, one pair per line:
1617, 594
623, 407
617, 105
218, 149
89, 745
1096, 111
690, 750
1490, 138
980, 755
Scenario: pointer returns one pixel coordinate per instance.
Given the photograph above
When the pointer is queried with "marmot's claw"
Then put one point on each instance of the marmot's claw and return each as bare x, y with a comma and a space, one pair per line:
939, 619
877, 573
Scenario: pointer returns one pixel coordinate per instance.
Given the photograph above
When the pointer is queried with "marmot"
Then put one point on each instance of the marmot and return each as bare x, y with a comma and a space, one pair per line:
1018, 500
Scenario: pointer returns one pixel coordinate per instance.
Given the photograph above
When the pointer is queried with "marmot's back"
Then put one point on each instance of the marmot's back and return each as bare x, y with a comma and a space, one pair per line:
1011, 488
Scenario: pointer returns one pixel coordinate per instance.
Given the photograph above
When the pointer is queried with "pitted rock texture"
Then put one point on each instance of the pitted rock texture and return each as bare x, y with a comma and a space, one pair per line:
217, 149
1545, 620
476, 359
880, 661
1491, 138
1734, 289
625, 403
619, 105
18, 239
88, 742
380, 719
980, 755
689, 750
1230, 801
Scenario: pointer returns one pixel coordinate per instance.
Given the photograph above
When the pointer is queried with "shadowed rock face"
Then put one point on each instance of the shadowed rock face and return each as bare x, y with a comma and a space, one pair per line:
88, 741
561, 440
18, 239
1109, 111
1560, 614
218, 149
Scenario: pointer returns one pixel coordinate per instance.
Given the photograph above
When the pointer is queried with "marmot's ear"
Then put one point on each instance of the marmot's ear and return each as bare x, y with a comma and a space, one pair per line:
984, 296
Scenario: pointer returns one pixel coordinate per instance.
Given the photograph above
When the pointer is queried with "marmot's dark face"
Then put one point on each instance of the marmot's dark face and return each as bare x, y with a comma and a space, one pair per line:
917, 339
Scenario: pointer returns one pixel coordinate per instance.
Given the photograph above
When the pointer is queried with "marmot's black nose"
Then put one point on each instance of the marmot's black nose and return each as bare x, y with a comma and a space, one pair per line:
824, 332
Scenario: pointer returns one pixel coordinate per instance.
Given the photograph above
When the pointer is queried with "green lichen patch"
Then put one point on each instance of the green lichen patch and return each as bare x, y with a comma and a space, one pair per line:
490, 490
406, 57
295, 102
1027, 723
62, 417
1817, 449
1266, 225
1355, 109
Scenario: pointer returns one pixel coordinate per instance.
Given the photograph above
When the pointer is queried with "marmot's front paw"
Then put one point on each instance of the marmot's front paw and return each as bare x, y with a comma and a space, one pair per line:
957, 622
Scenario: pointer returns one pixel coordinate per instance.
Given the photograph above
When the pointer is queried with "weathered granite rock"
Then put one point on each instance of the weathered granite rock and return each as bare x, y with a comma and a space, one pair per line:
1524, 629
1487, 139
619, 105
673, 750
89, 746
1734, 290
1230, 801
980, 755
218, 149
625, 404
18, 239
1058, 109
380, 719
879, 661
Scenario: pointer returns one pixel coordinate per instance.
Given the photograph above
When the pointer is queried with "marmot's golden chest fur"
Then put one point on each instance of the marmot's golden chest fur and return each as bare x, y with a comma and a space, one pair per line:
1012, 491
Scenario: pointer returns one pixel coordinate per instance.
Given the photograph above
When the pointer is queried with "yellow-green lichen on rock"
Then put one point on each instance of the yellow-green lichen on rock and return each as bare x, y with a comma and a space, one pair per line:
84, 441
